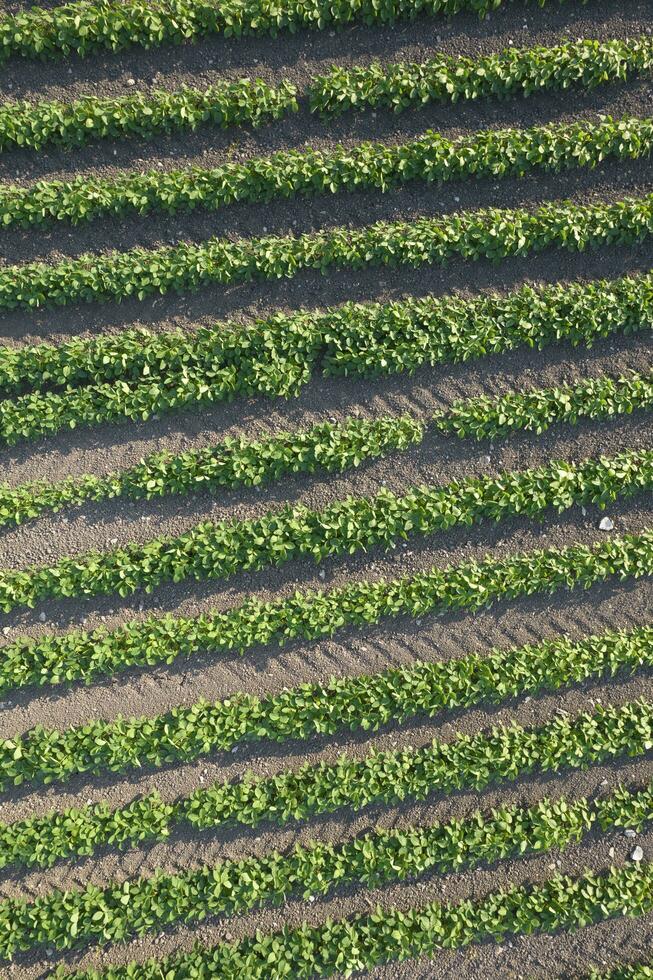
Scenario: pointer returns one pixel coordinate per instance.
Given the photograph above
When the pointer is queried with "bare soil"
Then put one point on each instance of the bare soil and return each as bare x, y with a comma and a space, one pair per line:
436, 460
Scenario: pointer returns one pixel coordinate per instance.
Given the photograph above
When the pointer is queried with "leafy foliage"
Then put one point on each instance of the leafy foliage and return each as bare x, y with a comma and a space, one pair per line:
639, 971
33, 415
491, 234
234, 462
286, 174
85, 27
538, 409
345, 946
33, 125
221, 549
365, 702
140, 905
514, 71
310, 615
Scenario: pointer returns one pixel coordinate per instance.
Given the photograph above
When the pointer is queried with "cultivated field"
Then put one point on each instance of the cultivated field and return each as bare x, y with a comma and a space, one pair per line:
326, 513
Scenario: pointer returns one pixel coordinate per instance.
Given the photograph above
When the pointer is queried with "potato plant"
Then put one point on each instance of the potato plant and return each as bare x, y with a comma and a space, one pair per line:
283, 352
85, 27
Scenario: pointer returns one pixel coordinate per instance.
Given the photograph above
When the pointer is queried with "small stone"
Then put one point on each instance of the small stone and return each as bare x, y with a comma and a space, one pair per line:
485, 460
606, 524
637, 854
6, 630
42, 617
321, 573
131, 81
630, 833
611, 852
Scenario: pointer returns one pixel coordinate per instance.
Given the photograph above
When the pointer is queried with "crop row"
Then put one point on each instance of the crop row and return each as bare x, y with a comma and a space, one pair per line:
234, 462
282, 352
140, 905
35, 125
347, 946
496, 153
538, 409
492, 234
80, 655
328, 446
34, 415
513, 71
84, 27
220, 549
365, 702
381, 777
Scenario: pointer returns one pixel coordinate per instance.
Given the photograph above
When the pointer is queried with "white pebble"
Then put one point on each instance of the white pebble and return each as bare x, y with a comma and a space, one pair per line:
606, 524
637, 854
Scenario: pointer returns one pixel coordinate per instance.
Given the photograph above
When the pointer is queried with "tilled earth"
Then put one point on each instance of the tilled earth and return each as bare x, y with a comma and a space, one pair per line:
436, 460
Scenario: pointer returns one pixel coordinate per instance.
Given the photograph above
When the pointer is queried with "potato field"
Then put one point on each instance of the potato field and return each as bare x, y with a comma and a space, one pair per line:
326, 489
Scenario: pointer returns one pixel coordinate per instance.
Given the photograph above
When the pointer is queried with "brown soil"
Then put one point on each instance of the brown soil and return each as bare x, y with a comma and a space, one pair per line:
437, 460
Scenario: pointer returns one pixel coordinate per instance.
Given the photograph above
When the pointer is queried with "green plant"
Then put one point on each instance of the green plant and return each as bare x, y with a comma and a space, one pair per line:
490, 234
346, 946
234, 462
635, 972
221, 549
282, 353
80, 655
85, 27
538, 409
137, 906
513, 71
33, 125
366, 702
368, 165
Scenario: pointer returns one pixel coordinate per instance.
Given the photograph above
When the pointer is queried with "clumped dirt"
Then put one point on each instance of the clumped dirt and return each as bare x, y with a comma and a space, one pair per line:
436, 460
